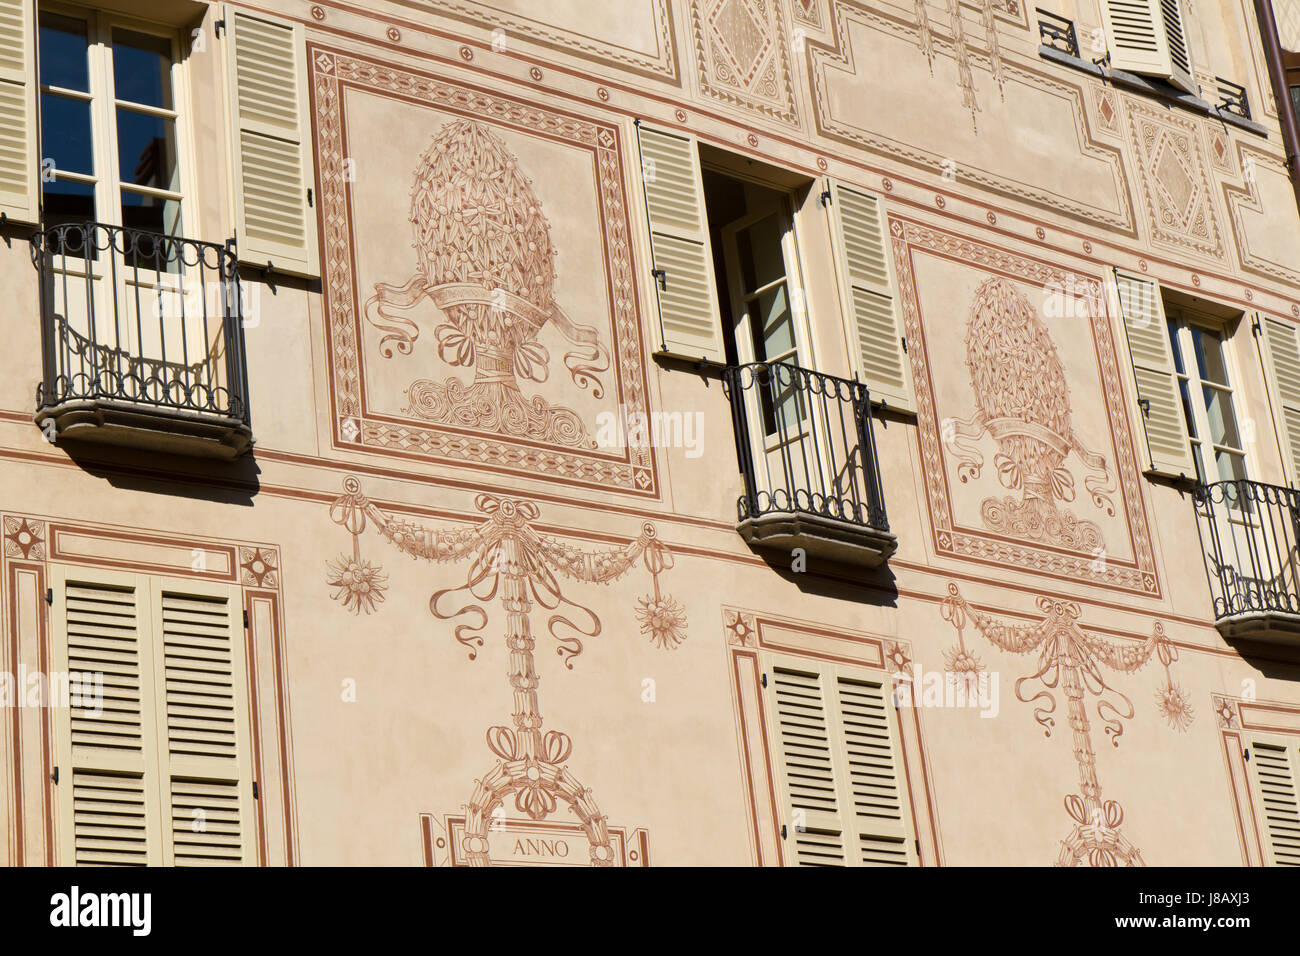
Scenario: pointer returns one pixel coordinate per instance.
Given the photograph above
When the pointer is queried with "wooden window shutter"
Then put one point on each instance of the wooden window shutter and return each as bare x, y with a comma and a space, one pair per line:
833, 730
681, 259
1169, 449
266, 76
107, 792
869, 741
1275, 778
1280, 343
19, 165
202, 713
1150, 37
870, 303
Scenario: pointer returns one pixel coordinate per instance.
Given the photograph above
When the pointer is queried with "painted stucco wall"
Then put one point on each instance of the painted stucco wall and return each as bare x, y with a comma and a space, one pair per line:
1053, 176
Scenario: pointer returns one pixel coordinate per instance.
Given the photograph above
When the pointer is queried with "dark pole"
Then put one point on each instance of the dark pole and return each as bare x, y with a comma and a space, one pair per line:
1281, 95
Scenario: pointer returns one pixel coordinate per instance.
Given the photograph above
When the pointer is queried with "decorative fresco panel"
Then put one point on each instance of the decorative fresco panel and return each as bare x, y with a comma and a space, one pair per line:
1018, 472
742, 56
489, 315
1179, 202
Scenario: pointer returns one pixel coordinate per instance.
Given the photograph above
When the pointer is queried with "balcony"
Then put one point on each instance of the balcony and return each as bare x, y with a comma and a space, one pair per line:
1249, 533
808, 461
142, 339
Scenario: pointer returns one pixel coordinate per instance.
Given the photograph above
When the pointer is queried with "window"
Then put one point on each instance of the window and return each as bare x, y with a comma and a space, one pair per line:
725, 265
834, 733
756, 268
155, 768
1201, 366
111, 127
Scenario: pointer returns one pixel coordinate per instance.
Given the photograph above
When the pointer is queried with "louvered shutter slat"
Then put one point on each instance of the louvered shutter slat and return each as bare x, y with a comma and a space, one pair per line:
876, 813
689, 321
106, 747
19, 186
1278, 791
837, 763
1281, 347
202, 726
266, 72
109, 820
862, 252
808, 766
1150, 37
1147, 334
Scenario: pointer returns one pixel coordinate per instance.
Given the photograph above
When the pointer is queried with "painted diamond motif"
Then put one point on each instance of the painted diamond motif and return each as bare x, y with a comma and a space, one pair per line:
739, 32
1175, 182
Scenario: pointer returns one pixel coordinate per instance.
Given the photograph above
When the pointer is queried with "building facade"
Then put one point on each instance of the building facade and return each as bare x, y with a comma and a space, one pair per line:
668, 432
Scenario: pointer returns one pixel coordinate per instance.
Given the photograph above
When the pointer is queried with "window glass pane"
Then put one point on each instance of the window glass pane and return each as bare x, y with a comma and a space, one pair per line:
65, 135
1230, 466
146, 150
773, 325
63, 49
1223, 420
1209, 356
151, 213
761, 259
66, 201
142, 68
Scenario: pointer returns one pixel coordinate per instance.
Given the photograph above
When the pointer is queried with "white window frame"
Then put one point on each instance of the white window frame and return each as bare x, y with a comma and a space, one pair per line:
1182, 320
103, 115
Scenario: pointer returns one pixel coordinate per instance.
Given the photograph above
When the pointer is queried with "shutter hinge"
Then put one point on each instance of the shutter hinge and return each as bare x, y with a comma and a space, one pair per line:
245, 618
764, 680
903, 339
218, 27
826, 196
310, 204
1246, 753
918, 847
55, 776
661, 275
783, 831
49, 595
1145, 405
1254, 324
256, 792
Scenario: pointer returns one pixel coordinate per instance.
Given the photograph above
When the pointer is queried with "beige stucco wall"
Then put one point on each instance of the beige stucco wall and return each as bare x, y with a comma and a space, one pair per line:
1053, 177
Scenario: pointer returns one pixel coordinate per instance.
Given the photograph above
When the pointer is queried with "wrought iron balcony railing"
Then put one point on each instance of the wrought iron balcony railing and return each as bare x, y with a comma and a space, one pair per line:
808, 462
1057, 32
142, 340
1249, 534
1233, 98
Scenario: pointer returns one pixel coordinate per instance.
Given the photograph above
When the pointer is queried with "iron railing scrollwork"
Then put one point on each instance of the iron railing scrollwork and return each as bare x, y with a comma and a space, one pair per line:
805, 444
136, 317
1057, 32
1249, 535
1232, 98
